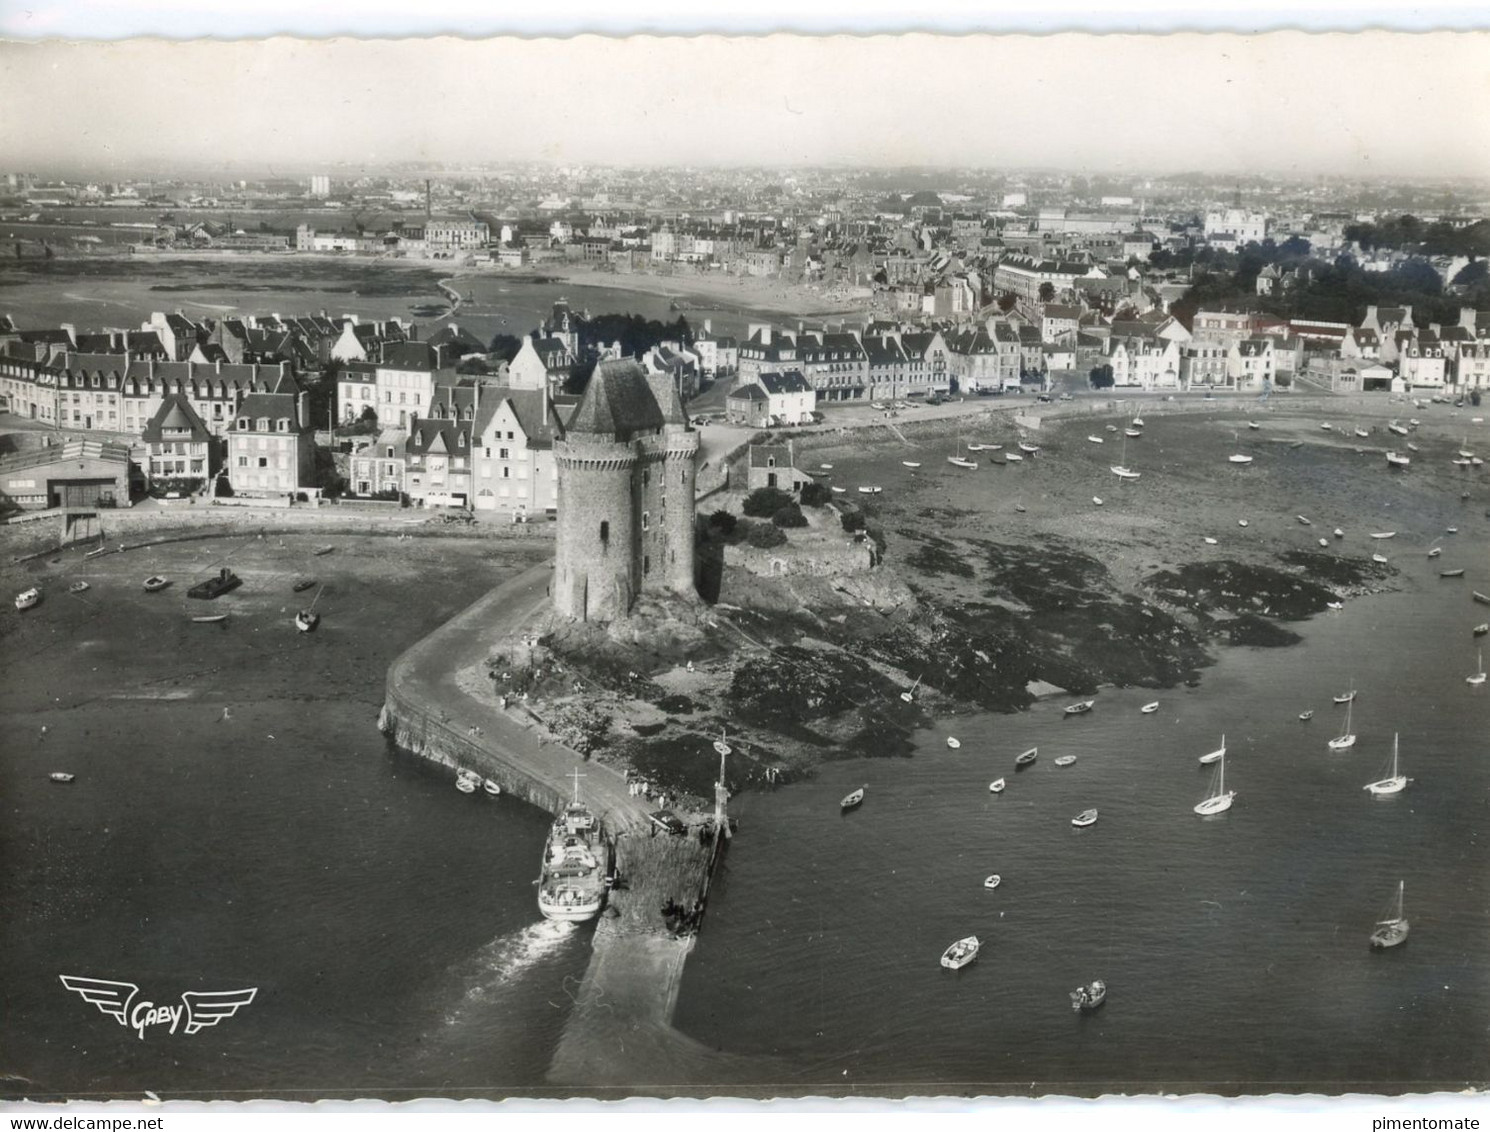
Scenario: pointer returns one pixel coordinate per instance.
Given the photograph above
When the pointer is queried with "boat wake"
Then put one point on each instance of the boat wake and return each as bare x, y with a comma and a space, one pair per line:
504, 960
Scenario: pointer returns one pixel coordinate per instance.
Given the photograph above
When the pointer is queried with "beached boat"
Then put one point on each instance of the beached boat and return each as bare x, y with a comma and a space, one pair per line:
306, 620
1393, 927
836, 490
909, 695
1393, 781
1085, 818
1150, 708
1014, 456
322, 550
491, 787
961, 953
1479, 597
1019, 507
1209, 541
870, 490
1095, 439
992, 880
1335, 605
1411, 447
78, 587
155, 583
1025, 759
215, 587
1081, 708
1451, 530
1361, 432
576, 857
1307, 522
996, 786
721, 745
953, 742
1339, 533
96, 551
1435, 552
978, 447
210, 618
1239, 459
1383, 534
1132, 432
1307, 715
1253, 425
1216, 755
466, 783
1097, 499
1324, 542
1219, 799
1458, 572
826, 467
1479, 676
1137, 422
1121, 469
61, 776
853, 798
1241, 522
911, 463
1327, 427
1395, 460
1481, 630
1089, 997
302, 585
1111, 428
1065, 760
1346, 739
28, 599
1398, 429
961, 462
1379, 559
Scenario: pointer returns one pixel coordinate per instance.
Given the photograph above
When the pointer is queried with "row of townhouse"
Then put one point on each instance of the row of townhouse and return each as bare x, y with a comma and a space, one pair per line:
1151, 362
883, 361
488, 448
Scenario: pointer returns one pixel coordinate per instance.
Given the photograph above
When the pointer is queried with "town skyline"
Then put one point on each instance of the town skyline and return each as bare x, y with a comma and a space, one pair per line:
1280, 104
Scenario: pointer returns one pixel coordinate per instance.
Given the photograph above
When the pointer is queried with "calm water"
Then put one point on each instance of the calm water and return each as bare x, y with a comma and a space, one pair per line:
1235, 946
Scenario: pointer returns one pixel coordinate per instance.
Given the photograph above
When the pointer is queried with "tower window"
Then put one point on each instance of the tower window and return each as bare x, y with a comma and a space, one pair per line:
646, 564
646, 520
605, 531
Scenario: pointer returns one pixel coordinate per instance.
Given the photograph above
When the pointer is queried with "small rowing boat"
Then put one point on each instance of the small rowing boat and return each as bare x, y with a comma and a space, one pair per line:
1149, 709
1081, 708
1065, 760
853, 798
210, 618
1024, 760
1084, 819
1459, 573
996, 786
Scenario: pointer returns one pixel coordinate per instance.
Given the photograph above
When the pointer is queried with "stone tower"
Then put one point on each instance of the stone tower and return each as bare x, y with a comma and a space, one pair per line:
625, 499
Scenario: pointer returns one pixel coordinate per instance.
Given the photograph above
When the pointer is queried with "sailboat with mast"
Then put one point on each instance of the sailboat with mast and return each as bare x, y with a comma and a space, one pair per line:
1394, 781
1479, 677
1219, 799
1345, 740
961, 461
1392, 929
1121, 469
307, 619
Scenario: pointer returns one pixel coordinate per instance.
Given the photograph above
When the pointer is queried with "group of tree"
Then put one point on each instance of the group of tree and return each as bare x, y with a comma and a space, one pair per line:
636, 334
1409, 233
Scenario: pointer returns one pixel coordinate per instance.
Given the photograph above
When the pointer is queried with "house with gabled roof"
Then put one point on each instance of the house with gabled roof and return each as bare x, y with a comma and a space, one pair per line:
437, 462
378, 468
178, 445
771, 400
513, 446
271, 443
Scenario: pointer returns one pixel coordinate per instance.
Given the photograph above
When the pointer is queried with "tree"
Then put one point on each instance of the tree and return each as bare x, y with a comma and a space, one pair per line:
1101, 377
764, 536
1047, 291
1472, 273
724, 522
816, 495
789, 516
764, 502
504, 347
852, 521
1007, 301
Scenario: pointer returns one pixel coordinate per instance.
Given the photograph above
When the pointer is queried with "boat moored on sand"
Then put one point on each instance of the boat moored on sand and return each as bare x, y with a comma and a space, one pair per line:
28, 599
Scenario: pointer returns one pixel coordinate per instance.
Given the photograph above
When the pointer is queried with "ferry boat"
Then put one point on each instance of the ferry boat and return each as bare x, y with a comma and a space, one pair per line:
572, 883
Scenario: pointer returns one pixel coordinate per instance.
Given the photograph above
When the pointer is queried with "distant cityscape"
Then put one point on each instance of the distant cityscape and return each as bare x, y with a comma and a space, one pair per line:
996, 286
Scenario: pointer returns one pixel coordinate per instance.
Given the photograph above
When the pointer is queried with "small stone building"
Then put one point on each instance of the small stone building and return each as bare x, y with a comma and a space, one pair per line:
773, 465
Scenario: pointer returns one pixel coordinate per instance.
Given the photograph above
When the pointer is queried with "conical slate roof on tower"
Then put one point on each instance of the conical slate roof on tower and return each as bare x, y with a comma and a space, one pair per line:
621, 401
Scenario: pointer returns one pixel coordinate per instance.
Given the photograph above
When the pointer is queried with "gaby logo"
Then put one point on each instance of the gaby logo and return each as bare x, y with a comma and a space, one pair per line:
196, 1011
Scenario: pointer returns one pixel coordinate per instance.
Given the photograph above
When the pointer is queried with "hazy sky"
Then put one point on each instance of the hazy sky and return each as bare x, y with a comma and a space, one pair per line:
1389, 103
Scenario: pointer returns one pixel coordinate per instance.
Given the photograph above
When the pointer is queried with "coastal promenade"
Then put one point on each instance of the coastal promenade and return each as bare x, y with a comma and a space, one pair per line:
440, 705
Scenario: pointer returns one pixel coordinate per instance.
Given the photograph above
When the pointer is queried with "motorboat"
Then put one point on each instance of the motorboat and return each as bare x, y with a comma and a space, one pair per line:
1149, 709
1028, 757
155, 583
953, 742
1392, 929
1081, 708
491, 787
1216, 755
28, 599
1065, 760
1393, 781
1397, 461
78, 587
215, 587
1345, 697
1085, 818
853, 798
1306, 716
1481, 630
1089, 997
992, 880
1219, 799
996, 786
961, 953
576, 871
61, 776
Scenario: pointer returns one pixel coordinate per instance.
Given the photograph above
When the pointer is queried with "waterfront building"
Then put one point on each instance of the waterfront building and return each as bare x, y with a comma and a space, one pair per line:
378, 468
270, 447
28, 388
772, 399
625, 496
437, 462
80, 475
1422, 361
513, 450
178, 445
1250, 363
774, 465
